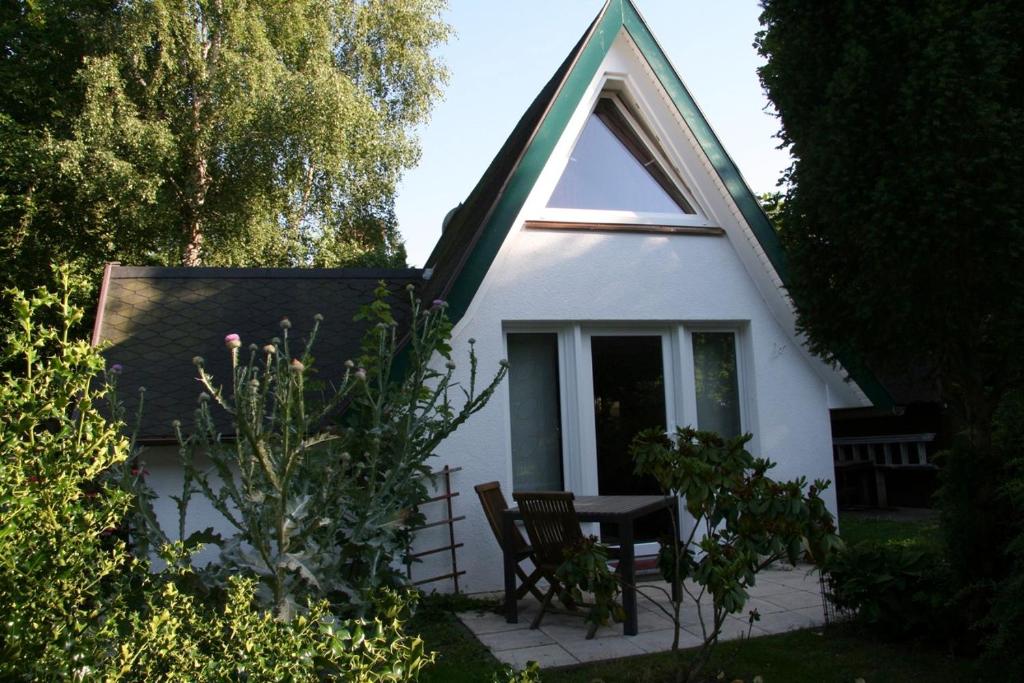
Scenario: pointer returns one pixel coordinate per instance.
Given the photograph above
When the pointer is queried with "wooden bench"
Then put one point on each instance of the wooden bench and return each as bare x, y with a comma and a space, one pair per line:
873, 456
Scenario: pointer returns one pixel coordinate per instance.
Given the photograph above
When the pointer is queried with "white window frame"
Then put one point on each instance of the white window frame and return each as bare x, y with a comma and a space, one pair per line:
567, 396
616, 88
738, 329
576, 399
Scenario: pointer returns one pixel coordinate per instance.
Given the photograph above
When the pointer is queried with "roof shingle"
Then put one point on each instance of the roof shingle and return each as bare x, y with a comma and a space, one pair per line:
153, 321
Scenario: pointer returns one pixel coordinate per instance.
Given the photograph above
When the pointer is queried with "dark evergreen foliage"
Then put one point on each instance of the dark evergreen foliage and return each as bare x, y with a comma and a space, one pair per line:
903, 233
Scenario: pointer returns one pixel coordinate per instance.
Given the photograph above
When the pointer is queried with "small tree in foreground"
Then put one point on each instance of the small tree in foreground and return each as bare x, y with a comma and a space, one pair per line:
743, 522
322, 493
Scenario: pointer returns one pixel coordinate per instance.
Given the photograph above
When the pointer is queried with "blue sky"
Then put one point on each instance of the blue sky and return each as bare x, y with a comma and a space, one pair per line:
505, 50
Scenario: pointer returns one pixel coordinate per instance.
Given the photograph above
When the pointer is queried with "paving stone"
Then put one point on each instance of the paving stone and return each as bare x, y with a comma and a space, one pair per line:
514, 640
602, 648
489, 622
661, 641
545, 655
780, 622
786, 600
795, 600
762, 605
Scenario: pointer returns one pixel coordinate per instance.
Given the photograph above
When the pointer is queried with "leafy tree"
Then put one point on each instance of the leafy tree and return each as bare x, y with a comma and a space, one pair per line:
903, 224
773, 204
219, 132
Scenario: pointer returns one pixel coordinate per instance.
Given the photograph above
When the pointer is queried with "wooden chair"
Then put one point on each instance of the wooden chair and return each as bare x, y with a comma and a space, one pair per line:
493, 502
552, 526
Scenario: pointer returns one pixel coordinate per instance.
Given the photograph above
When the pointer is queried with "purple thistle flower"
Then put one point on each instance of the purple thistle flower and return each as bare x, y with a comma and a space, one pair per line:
436, 304
232, 341
116, 369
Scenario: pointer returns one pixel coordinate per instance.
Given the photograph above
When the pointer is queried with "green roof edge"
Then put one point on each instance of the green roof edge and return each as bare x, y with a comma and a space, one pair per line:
616, 15
519, 186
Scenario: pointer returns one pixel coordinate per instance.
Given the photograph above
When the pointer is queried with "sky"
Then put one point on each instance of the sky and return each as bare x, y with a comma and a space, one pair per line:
504, 51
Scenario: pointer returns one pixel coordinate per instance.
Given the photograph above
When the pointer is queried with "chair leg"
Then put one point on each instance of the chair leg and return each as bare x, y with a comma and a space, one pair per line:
545, 603
529, 584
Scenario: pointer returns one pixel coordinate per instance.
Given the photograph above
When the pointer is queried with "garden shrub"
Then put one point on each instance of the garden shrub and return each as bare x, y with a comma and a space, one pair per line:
77, 605
898, 590
60, 563
585, 570
1004, 624
178, 636
744, 521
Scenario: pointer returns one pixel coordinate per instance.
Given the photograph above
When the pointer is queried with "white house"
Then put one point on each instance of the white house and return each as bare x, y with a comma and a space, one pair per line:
612, 252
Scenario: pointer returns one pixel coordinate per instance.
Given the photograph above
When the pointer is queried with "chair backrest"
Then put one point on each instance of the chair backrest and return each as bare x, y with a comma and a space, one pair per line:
493, 502
551, 524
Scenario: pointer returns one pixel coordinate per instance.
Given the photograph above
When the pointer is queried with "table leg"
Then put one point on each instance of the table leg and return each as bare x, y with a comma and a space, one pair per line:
509, 561
627, 563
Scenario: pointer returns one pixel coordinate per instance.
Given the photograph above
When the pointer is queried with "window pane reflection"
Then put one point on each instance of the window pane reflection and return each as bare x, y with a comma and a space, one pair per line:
717, 385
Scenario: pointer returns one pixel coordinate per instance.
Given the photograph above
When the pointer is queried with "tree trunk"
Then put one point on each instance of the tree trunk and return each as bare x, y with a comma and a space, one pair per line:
192, 254
199, 183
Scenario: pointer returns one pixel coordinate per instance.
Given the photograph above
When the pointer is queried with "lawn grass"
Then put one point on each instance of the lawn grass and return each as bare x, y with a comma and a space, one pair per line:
837, 654
461, 658
856, 528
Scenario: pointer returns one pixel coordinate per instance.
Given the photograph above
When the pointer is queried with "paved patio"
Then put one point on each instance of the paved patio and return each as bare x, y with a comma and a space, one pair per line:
786, 599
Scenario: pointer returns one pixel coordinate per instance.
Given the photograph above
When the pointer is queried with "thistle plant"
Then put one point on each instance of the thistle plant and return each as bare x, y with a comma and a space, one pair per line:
321, 484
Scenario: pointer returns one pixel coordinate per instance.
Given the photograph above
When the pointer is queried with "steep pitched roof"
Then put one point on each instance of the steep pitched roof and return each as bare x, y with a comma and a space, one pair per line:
155, 320
476, 231
465, 227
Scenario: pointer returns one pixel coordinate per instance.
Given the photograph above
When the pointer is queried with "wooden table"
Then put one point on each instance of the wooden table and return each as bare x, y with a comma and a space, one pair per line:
622, 511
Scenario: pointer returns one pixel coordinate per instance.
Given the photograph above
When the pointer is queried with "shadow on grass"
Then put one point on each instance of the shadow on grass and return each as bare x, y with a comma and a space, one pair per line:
838, 654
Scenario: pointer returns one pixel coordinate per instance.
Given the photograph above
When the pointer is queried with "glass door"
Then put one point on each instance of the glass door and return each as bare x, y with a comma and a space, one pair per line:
629, 395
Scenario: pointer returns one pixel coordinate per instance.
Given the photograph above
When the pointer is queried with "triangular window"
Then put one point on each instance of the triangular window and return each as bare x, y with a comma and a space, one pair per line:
611, 169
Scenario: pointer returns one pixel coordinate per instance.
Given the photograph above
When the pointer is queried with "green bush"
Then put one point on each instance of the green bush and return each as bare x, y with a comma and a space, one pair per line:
60, 565
585, 570
1004, 624
322, 486
743, 522
179, 637
77, 605
899, 590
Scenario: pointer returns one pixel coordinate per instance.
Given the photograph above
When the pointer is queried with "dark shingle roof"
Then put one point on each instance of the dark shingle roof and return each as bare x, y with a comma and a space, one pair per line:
155, 320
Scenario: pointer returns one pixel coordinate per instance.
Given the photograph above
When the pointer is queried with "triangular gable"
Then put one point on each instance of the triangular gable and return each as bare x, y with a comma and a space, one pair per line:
475, 234
612, 169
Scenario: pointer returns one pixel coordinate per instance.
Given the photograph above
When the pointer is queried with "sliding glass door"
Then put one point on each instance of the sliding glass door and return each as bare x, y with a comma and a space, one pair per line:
579, 394
630, 382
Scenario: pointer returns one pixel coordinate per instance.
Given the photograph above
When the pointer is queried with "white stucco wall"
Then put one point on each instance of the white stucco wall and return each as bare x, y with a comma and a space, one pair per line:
165, 477
673, 282
615, 278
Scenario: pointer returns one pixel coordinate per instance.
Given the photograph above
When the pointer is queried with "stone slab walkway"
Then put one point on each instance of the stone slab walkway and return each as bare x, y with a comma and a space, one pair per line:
786, 599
